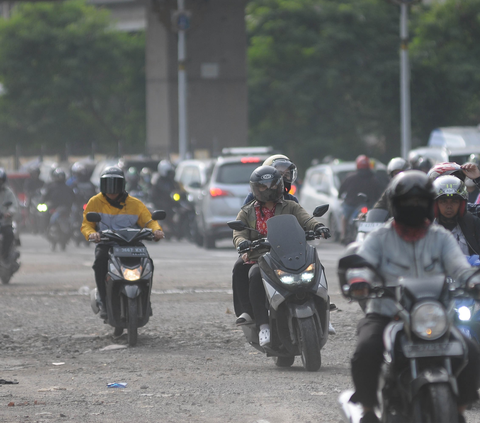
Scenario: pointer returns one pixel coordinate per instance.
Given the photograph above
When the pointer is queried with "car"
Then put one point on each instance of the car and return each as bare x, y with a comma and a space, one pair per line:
321, 185
223, 196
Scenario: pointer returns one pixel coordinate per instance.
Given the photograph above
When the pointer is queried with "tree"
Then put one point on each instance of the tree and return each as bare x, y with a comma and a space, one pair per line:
323, 76
69, 78
445, 62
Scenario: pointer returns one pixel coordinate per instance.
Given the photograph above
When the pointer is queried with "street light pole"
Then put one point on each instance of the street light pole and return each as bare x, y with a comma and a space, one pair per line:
182, 81
404, 82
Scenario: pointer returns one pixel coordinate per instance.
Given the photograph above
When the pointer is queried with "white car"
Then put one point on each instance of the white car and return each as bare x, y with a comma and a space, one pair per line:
321, 185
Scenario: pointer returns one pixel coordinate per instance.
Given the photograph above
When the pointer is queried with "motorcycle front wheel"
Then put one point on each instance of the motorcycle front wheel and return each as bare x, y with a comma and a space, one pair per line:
132, 324
309, 344
435, 404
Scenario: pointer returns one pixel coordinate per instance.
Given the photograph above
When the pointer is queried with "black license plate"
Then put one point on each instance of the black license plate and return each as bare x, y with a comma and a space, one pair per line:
130, 252
450, 349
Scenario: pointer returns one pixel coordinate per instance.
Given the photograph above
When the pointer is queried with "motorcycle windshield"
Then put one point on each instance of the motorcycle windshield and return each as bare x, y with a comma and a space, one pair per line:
287, 241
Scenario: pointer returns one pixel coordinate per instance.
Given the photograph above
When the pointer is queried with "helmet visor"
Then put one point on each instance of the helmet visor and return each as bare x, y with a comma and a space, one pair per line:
271, 190
112, 185
287, 169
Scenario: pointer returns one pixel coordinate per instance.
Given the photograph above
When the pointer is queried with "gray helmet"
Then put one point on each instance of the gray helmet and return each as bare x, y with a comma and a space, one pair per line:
397, 164
266, 184
112, 181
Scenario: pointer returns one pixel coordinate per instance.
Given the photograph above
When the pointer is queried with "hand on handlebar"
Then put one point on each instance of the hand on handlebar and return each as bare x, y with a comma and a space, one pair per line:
158, 235
95, 237
323, 231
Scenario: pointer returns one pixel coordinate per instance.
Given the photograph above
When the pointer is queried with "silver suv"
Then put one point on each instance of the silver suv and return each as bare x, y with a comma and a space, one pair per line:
222, 198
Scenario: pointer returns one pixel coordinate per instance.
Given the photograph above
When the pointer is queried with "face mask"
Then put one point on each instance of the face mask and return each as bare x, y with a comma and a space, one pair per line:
411, 215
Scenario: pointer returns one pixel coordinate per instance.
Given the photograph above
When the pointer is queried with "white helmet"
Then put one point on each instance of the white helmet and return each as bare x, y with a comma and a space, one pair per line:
164, 168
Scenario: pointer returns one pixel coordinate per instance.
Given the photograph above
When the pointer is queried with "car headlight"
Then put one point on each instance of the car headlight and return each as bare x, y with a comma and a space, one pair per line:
42, 207
429, 320
302, 278
132, 274
464, 313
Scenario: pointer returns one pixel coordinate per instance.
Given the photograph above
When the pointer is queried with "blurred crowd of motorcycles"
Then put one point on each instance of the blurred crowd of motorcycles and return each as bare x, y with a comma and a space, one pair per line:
52, 197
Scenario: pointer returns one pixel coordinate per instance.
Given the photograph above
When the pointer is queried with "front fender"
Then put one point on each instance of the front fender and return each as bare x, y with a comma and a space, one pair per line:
432, 376
131, 291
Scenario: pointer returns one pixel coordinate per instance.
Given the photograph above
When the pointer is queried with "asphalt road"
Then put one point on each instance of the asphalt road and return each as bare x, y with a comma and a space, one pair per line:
191, 363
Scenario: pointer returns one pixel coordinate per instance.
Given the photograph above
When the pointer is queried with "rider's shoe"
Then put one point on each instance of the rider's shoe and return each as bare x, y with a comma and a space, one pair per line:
103, 310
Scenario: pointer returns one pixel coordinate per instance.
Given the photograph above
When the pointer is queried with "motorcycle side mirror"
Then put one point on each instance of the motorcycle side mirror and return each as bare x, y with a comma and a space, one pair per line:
159, 215
320, 210
94, 217
237, 225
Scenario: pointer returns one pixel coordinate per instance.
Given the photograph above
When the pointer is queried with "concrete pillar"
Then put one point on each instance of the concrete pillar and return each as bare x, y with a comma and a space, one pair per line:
158, 85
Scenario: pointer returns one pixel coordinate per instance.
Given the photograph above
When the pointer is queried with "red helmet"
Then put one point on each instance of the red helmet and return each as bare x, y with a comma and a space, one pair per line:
446, 168
363, 162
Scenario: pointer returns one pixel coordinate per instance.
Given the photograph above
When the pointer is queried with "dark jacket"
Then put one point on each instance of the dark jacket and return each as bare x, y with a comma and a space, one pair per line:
470, 226
362, 181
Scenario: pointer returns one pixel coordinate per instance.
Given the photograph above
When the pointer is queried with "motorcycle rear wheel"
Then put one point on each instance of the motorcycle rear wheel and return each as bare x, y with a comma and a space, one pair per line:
435, 404
284, 361
132, 324
309, 344
6, 278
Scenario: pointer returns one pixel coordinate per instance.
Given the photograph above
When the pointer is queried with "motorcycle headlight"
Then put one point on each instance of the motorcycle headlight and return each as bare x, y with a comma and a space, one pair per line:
429, 320
132, 274
42, 207
464, 313
303, 278
176, 196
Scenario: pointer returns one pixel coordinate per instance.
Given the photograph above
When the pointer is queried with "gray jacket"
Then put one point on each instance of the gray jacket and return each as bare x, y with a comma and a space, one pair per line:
436, 253
7, 195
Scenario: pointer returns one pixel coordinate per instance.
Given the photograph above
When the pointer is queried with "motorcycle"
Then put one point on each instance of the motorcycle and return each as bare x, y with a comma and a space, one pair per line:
76, 218
424, 352
375, 218
182, 223
351, 229
296, 289
59, 229
10, 265
467, 311
129, 278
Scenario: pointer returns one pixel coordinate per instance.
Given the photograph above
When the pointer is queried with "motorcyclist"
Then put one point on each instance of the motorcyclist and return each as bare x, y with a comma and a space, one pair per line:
409, 245
32, 187
394, 167
7, 196
450, 212
80, 183
58, 195
266, 183
288, 170
120, 211
363, 180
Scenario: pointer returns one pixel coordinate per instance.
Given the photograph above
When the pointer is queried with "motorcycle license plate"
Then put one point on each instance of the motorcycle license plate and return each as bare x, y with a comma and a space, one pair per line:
368, 226
450, 349
130, 251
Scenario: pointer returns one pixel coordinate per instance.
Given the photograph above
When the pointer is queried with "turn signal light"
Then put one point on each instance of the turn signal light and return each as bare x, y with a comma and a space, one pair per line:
364, 210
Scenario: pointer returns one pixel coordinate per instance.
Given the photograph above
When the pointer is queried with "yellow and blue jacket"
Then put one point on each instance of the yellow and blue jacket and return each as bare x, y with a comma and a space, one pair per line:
133, 214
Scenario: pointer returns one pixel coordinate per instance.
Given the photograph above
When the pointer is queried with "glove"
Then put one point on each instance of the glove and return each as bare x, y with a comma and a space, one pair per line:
323, 231
244, 245
359, 290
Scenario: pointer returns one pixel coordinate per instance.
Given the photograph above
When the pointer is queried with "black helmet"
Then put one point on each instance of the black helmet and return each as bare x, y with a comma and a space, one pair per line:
58, 175
3, 177
397, 165
405, 186
266, 184
424, 164
112, 181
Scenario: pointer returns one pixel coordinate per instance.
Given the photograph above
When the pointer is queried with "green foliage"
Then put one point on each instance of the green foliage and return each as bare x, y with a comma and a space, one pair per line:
445, 62
323, 75
69, 78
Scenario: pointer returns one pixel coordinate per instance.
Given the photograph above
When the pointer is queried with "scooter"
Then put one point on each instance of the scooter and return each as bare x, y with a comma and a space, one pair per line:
352, 222
296, 290
9, 266
59, 229
424, 352
129, 278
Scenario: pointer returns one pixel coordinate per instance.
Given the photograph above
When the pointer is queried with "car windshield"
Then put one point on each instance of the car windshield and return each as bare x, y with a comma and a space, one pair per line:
235, 173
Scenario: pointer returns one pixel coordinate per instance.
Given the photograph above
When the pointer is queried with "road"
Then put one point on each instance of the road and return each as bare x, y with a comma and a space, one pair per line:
191, 363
